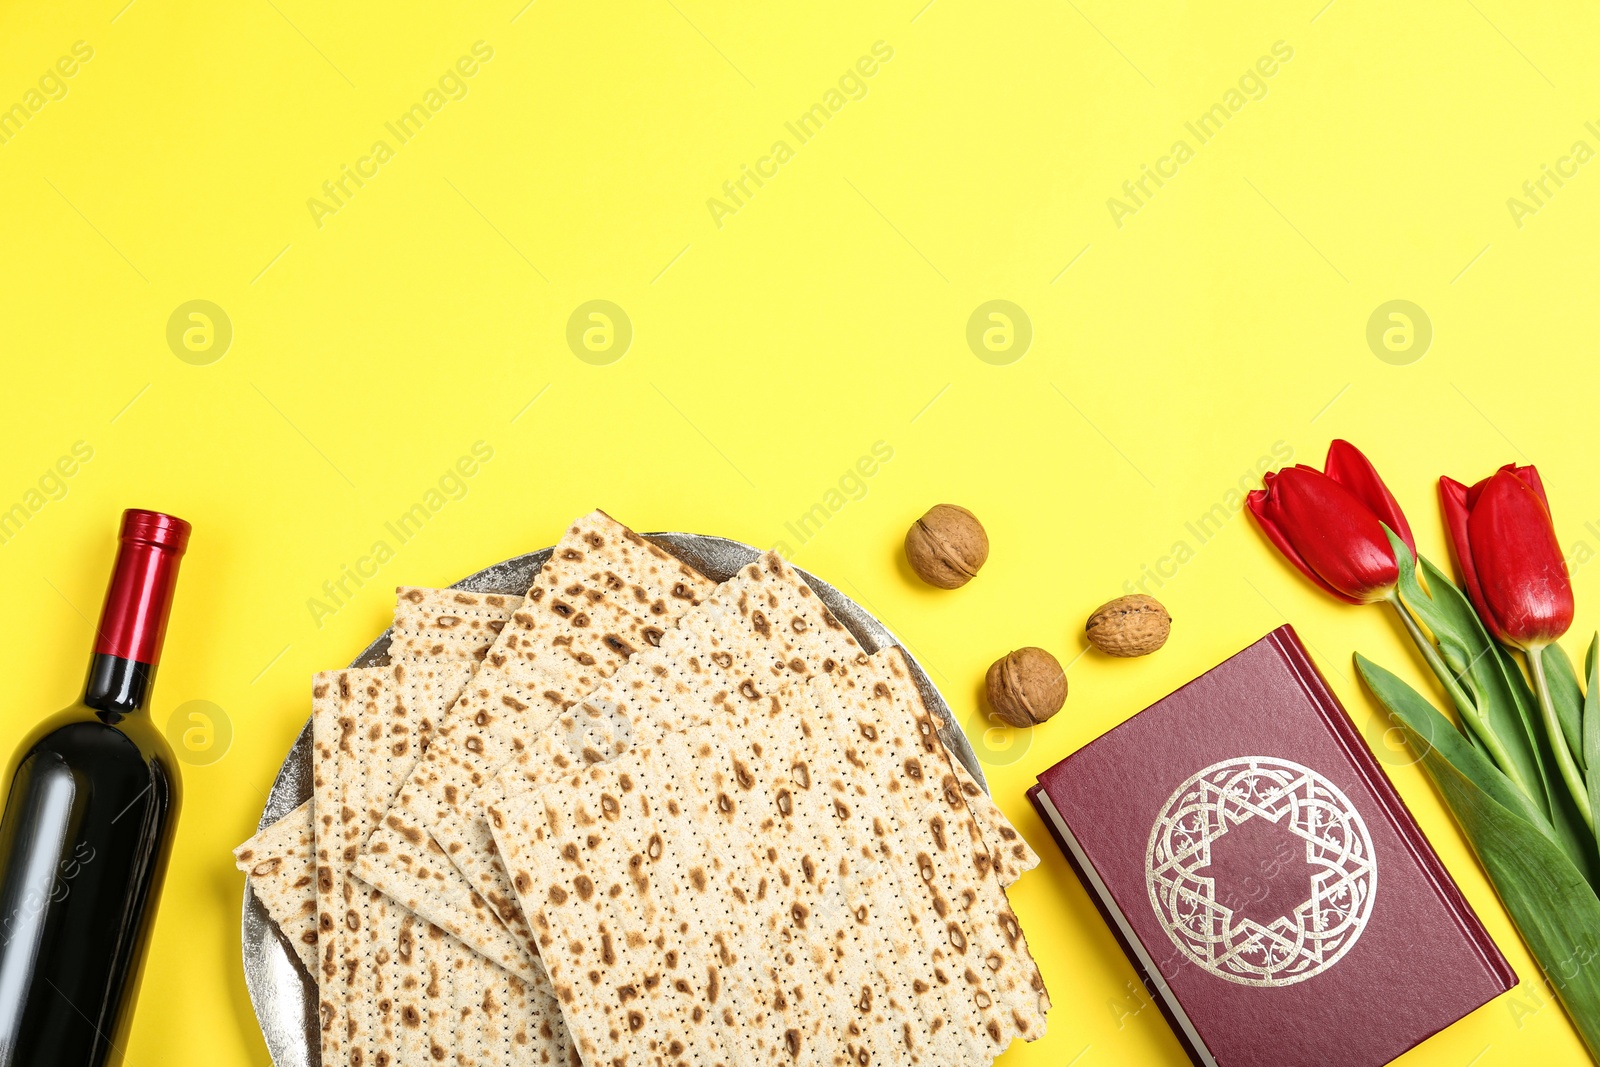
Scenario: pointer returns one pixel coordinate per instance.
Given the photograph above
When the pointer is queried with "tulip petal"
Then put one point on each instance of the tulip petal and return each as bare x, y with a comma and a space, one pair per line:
1519, 563
1455, 501
1530, 475
1259, 502
1333, 535
1348, 466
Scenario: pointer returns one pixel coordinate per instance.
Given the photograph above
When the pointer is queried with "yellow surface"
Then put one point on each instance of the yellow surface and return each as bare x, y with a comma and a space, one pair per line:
776, 340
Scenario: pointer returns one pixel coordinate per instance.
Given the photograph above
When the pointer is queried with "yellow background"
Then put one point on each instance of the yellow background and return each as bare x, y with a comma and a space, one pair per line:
1226, 315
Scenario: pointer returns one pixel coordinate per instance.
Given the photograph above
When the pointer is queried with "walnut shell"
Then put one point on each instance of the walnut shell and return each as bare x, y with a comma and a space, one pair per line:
1026, 687
947, 546
1134, 625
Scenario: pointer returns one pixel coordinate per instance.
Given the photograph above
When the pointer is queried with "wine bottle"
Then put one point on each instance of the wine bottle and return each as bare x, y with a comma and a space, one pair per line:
88, 827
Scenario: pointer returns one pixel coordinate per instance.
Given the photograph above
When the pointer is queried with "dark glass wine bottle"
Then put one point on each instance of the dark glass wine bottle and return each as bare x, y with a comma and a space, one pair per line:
87, 829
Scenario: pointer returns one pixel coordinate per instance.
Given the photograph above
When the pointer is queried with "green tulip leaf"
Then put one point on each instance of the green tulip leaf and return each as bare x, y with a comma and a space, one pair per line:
1591, 722
1451, 618
1551, 901
1428, 730
1471, 653
1567, 697
1506, 709
1509, 705
1573, 833
1447, 662
1553, 905
1516, 725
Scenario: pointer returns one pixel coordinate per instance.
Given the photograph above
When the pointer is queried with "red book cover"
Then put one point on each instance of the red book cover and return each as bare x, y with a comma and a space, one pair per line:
1263, 875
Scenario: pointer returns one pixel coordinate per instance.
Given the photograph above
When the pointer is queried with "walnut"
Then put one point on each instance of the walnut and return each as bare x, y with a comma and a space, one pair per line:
1129, 626
1026, 687
947, 546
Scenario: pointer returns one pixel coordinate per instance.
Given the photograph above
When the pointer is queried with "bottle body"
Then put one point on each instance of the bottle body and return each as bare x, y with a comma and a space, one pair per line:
84, 843
87, 829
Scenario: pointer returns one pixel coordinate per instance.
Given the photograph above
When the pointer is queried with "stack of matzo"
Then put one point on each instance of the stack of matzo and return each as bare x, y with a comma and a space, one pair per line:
687, 823
393, 988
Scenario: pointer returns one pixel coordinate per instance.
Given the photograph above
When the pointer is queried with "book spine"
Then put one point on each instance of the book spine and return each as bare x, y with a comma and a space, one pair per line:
1152, 988
1394, 806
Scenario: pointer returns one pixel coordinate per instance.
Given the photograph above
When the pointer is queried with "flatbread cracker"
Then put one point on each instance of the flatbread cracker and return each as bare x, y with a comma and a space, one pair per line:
962, 859
806, 860
762, 624
430, 626
743, 849
1013, 856
282, 872
442, 625
996, 1000
939, 1026
808, 638
455, 826
381, 999
365, 722
716, 671
424, 996
701, 1008
605, 594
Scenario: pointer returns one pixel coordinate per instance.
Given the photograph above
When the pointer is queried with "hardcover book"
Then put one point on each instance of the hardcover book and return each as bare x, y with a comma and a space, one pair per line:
1263, 875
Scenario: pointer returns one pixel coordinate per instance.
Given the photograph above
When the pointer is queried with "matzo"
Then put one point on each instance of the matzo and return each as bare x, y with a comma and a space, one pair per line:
282, 874
768, 594
762, 623
608, 922
1001, 985
440, 625
455, 832
756, 627
761, 869
822, 639
994, 938
381, 1000
605, 594
430, 626
363, 720
807, 874
842, 964
1013, 856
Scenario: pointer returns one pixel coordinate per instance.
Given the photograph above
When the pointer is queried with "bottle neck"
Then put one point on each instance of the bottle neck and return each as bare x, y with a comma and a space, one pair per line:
118, 687
133, 622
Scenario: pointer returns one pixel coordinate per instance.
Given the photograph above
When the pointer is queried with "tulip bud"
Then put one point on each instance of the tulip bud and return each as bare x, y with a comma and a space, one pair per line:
1330, 524
1505, 547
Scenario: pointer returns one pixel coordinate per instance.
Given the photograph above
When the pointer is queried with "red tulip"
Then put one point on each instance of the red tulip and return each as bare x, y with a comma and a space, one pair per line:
1506, 550
1329, 523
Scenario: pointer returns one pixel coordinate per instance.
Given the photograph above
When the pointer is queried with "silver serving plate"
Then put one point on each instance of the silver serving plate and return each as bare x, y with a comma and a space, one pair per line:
285, 997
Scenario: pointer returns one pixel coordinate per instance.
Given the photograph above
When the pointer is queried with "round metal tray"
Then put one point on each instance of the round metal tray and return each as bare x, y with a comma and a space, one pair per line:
284, 995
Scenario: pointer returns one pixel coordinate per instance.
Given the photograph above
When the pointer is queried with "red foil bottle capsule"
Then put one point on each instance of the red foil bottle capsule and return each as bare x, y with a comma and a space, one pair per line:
88, 827
133, 622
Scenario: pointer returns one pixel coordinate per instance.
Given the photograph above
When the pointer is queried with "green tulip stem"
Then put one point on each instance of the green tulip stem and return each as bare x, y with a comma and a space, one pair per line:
1558, 740
1464, 703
